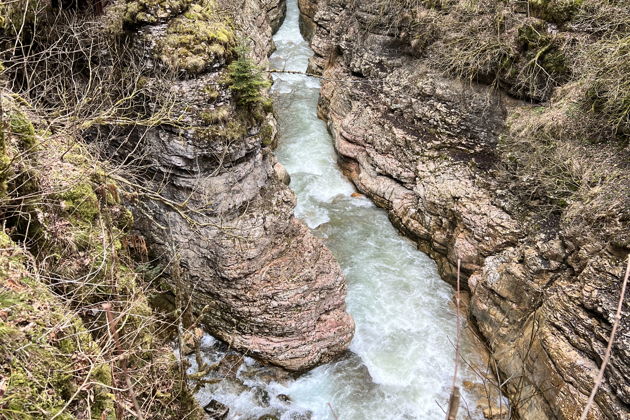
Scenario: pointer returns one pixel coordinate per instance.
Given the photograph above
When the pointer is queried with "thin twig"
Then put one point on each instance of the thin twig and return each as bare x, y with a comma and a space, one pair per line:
453, 404
112, 329
600, 376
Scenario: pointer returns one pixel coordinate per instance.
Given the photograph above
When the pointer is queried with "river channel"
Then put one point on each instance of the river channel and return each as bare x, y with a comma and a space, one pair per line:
401, 360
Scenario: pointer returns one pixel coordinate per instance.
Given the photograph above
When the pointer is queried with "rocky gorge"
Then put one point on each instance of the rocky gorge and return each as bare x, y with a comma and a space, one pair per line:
139, 173
446, 156
147, 162
242, 258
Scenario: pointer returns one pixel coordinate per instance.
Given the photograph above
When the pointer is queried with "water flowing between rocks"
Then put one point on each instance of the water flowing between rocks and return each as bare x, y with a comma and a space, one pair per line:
401, 360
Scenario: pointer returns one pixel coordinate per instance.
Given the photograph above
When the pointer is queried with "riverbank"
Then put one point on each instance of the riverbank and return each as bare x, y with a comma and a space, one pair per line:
483, 144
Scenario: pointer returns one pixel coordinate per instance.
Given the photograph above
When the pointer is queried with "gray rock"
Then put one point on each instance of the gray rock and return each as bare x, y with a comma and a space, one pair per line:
282, 174
216, 410
216, 213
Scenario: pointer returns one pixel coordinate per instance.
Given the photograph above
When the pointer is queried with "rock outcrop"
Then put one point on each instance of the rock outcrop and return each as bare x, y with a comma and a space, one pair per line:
544, 279
213, 204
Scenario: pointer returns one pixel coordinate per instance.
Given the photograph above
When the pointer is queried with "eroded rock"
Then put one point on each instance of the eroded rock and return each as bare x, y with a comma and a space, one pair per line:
216, 410
214, 205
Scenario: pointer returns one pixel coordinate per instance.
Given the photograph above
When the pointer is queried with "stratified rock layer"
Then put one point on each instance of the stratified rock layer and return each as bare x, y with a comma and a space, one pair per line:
212, 207
424, 147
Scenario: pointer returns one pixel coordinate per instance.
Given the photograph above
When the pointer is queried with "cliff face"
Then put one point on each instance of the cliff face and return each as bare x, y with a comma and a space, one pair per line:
212, 204
454, 163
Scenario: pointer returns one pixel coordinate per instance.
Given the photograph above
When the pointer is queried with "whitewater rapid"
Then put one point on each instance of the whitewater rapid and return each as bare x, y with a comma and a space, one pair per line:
401, 359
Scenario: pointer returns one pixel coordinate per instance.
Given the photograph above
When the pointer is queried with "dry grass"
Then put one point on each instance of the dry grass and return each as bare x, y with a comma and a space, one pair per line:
605, 66
554, 171
527, 48
567, 156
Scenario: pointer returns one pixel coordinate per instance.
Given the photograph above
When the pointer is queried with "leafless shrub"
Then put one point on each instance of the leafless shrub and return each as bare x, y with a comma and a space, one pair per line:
554, 171
605, 66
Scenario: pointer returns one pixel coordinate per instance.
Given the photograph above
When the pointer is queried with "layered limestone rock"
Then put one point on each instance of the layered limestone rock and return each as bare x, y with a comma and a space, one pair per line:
425, 146
213, 203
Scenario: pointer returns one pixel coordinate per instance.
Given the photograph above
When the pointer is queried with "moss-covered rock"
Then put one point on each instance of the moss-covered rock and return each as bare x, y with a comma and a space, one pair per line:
228, 131
55, 353
542, 64
50, 362
268, 134
153, 11
213, 116
80, 202
198, 39
555, 11
22, 127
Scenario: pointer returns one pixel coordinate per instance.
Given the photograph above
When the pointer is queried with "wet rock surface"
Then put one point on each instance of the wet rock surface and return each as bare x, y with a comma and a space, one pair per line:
424, 146
251, 389
215, 410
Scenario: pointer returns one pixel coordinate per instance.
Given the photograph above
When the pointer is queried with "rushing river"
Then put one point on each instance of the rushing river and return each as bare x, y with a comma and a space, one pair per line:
402, 355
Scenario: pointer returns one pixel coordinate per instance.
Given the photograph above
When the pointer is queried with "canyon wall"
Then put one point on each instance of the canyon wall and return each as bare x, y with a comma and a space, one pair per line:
212, 204
449, 150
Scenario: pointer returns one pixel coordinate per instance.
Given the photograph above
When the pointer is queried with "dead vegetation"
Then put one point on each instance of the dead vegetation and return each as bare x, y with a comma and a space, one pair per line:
82, 333
556, 173
67, 251
527, 48
564, 156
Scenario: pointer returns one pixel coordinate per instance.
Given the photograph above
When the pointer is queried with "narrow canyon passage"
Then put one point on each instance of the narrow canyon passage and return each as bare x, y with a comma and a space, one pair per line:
401, 360
405, 323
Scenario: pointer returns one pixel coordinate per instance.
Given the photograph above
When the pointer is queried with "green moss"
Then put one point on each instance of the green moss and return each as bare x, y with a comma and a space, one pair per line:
49, 359
555, 63
125, 219
232, 130
127, 279
215, 115
555, 11
22, 128
541, 65
532, 35
16, 16
266, 134
153, 11
5, 173
198, 38
80, 202
211, 92
76, 156
43, 349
